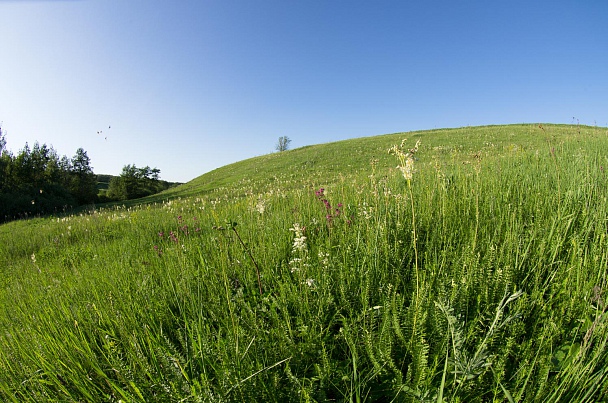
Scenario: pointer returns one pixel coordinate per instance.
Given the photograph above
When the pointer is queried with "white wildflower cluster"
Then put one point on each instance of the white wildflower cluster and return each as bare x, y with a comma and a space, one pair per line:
406, 159
365, 211
296, 264
324, 259
299, 249
299, 241
407, 169
260, 206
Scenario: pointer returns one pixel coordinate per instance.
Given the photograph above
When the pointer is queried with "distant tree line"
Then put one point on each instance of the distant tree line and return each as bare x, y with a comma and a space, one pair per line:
39, 181
134, 183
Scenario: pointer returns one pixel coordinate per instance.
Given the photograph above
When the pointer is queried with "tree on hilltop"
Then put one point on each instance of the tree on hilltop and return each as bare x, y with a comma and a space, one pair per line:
283, 143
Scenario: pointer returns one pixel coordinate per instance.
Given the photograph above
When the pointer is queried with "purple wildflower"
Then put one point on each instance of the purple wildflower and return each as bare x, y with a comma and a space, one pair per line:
157, 249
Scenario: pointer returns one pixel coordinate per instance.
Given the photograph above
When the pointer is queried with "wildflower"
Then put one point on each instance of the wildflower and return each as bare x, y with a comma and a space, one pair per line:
294, 264
406, 159
33, 258
366, 211
331, 212
161, 234
324, 258
260, 206
158, 251
299, 242
310, 282
407, 169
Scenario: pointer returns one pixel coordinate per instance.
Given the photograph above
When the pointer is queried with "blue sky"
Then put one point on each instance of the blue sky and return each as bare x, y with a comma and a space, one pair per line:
191, 85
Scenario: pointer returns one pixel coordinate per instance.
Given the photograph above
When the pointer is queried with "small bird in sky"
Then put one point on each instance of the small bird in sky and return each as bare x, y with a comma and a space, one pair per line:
101, 132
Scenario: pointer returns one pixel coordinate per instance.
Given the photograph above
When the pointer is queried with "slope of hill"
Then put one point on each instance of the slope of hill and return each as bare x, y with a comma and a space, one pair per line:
473, 268
325, 163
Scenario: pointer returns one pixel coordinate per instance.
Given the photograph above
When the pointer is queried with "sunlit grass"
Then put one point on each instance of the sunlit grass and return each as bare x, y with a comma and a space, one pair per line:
481, 277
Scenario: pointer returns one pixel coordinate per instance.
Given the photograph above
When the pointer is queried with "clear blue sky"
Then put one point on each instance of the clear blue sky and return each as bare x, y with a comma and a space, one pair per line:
191, 85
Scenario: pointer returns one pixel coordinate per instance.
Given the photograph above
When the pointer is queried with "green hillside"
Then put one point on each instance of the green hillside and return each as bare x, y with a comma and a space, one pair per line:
473, 268
325, 163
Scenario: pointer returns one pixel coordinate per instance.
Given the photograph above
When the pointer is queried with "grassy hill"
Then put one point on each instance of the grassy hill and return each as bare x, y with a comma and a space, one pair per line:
476, 272
325, 163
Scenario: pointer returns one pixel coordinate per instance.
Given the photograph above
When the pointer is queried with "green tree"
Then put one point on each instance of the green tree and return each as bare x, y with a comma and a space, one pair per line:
38, 181
44, 166
65, 169
83, 184
135, 182
2, 141
283, 143
23, 168
117, 189
5, 160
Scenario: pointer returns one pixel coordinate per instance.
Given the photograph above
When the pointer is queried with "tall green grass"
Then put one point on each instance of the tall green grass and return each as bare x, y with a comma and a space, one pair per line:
482, 279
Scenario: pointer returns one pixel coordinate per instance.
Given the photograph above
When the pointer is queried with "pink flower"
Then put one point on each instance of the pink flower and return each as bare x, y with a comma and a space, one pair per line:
157, 249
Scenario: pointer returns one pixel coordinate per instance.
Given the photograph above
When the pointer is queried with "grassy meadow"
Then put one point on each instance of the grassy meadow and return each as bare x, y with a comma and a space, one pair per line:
475, 273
